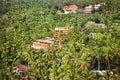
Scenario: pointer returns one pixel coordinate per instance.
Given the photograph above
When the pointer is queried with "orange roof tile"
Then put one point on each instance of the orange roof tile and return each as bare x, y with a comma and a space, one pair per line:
71, 7
22, 67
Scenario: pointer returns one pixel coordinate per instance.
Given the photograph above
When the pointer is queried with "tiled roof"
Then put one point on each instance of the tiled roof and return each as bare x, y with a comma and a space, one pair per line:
22, 67
71, 7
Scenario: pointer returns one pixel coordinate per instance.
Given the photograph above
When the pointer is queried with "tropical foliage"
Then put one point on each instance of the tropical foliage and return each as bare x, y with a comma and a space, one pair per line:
84, 49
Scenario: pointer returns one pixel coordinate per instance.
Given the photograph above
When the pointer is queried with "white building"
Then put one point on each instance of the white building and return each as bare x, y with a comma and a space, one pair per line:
97, 6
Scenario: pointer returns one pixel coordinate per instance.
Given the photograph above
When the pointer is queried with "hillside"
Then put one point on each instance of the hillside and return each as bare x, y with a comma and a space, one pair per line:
93, 44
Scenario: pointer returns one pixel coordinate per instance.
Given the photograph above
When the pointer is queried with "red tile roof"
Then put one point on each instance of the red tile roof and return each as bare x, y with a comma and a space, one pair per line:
71, 7
22, 67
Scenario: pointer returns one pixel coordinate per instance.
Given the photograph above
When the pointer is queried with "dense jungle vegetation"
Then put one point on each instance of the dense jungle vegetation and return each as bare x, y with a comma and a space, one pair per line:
24, 21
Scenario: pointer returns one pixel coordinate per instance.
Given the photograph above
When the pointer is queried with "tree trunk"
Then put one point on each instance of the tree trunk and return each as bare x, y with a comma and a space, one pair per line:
108, 64
98, 64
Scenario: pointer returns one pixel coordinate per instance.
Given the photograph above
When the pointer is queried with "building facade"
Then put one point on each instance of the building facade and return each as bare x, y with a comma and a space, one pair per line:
88, 9
62, 30
43, 43
70, 9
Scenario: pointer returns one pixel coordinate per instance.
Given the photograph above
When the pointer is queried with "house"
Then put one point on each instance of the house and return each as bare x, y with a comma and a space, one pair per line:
88, 9
97, 6
92, 23
109, 29
21, 69
102, 25
93, 35
59, 12
70, 9
42, 43
62, 30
